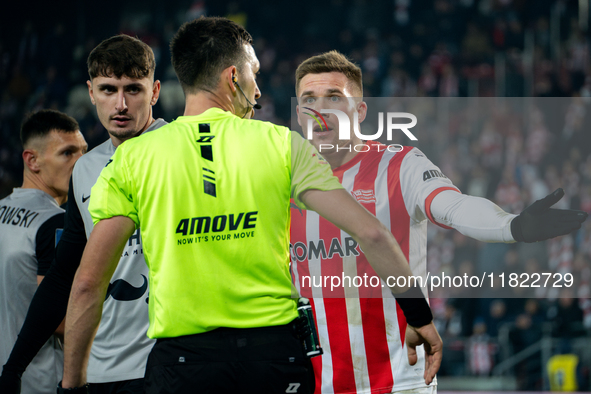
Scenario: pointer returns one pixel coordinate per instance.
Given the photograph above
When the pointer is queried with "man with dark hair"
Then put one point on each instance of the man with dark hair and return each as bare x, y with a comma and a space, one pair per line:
216, 237
123, 89
107, 60
198, 63
31, 222
362, 334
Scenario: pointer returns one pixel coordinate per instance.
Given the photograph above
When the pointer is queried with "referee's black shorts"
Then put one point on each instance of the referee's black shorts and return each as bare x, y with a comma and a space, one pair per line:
230, 360
134, 386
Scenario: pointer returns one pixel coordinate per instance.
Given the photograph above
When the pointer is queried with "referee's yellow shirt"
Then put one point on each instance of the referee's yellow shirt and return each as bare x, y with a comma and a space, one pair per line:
211, 194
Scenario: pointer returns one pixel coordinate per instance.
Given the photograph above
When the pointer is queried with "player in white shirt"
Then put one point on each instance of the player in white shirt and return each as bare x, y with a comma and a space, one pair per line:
31, 222
123, 89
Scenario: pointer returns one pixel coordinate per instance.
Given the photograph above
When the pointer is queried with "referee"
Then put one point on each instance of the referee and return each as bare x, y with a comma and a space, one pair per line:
211, 192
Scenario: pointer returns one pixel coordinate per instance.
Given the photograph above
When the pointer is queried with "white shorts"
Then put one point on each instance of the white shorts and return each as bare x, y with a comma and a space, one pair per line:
421, 390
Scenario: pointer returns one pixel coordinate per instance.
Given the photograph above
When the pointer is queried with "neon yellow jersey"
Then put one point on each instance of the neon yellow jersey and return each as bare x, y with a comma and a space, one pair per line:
211, 194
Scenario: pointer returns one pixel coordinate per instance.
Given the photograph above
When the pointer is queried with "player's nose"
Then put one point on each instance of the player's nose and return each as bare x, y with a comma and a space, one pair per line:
121, 104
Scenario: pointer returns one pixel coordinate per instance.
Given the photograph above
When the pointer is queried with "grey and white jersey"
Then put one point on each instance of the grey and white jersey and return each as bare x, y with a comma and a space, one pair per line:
30, 224
121, 347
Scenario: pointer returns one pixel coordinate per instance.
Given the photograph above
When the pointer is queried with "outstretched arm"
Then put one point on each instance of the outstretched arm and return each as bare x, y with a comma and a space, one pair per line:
99, 261
483, 220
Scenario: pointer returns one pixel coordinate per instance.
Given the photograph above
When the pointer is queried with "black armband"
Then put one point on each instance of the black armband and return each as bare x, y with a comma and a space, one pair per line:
415, 307
74, 390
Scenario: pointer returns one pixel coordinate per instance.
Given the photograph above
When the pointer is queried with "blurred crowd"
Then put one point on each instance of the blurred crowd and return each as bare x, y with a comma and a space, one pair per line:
412, 48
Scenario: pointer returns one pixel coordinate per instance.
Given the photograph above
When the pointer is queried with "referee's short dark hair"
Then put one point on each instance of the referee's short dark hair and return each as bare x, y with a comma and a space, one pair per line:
41, 123
121, 55
203, 48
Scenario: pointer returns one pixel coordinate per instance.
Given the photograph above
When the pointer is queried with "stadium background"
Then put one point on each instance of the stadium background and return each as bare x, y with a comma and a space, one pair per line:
413, 48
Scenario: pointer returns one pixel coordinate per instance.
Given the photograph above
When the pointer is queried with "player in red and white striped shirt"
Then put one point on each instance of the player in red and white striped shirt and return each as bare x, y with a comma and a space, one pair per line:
362, 328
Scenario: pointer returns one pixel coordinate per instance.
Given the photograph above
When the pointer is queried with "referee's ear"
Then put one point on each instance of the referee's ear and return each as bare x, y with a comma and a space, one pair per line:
229, 76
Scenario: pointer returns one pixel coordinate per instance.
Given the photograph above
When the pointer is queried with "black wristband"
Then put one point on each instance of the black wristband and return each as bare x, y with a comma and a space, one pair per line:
74, 390
516, 229
415, 307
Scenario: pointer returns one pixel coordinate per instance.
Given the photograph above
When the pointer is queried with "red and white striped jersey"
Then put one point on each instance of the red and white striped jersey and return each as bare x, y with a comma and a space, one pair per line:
361, 328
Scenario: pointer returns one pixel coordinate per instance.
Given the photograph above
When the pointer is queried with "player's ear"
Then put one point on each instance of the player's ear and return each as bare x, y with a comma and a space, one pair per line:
362, 110
155, 92
31, 160
90, 92
298, 114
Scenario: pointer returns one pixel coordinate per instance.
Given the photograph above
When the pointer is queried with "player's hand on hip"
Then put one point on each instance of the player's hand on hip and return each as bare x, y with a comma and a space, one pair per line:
539, 222
428, 336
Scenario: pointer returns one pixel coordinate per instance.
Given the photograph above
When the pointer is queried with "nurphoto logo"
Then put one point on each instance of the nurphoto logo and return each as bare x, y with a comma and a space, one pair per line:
344, 127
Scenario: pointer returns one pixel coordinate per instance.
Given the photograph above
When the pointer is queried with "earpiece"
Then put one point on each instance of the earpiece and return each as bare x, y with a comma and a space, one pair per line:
255, 106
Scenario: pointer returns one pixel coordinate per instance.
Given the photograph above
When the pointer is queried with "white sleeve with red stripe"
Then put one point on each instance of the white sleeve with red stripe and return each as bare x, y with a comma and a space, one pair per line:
474, 217
420, 182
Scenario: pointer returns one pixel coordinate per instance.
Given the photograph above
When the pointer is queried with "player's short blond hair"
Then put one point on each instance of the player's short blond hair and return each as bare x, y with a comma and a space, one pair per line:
327, 62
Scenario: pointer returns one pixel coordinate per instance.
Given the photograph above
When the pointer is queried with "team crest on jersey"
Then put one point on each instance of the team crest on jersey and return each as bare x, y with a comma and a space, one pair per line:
364, 196
321, 159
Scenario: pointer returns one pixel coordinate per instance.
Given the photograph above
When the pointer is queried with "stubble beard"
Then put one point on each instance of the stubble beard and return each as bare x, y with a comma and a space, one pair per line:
124, 135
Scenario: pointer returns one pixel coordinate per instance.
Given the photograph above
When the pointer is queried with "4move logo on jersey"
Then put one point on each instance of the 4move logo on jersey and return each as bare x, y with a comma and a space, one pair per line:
240, 224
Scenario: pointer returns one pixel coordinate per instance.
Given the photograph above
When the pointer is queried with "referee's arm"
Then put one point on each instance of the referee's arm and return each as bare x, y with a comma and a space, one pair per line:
386, 258
85, 306
378, 244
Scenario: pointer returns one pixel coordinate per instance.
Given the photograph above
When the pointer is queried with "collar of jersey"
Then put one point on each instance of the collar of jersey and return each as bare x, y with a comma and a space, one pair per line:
212, 113
19, 191
355, 159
